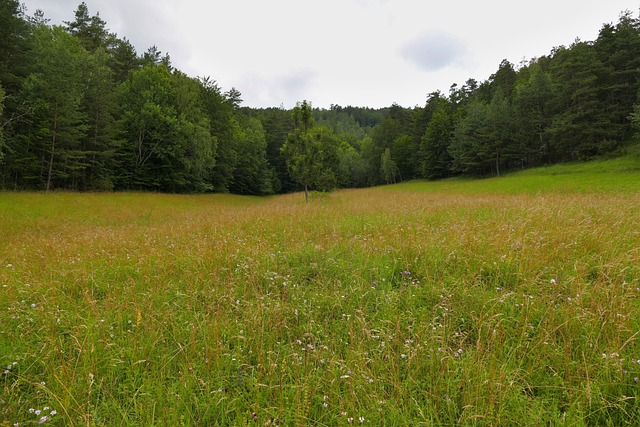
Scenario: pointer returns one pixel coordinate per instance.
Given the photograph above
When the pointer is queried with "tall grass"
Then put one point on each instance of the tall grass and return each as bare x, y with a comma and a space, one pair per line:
405, 305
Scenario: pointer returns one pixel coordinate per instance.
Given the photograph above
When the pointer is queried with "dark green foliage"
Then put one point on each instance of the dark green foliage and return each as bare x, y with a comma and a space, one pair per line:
168, 143
436, 159
101, 140
618, 48
579, 125
277, 123
352, 169
224, 128
252, 174
79, 109
2, 144
389, 134
533, 104
15, 54
52, 97
198, 144
389, 168
90, 30
15, 45
503, 80
122, 58
149, 124
469, 139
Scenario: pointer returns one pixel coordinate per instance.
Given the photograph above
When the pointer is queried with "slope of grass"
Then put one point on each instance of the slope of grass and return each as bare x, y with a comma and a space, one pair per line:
449, 303
618, 175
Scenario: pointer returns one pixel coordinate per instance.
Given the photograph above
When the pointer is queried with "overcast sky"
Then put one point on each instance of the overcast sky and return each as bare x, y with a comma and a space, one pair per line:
349, 52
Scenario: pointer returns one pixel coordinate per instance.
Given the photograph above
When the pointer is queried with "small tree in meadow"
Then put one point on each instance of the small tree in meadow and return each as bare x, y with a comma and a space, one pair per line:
310, 152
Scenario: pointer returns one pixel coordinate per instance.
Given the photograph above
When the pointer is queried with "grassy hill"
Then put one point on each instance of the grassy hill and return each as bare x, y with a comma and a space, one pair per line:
504, 301
613, 175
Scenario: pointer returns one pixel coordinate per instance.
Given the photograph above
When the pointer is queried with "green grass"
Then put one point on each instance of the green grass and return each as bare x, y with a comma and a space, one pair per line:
618, 175
507, 301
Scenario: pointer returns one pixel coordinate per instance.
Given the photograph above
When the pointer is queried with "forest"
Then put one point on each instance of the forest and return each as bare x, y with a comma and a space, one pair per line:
81, 110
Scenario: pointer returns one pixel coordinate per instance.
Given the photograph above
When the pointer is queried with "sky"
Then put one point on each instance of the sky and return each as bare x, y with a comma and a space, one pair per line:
368, 53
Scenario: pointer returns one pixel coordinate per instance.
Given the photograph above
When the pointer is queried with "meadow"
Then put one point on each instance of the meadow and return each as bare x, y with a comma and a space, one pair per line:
505, 301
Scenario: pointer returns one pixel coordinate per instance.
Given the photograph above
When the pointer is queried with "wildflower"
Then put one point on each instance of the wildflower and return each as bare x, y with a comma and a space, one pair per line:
404, 356
361, 420
350, 420
552, 281
33, 305
54, 412
43, 420
31, 410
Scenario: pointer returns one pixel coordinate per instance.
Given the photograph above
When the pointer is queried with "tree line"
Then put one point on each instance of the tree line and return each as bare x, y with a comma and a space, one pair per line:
80, 109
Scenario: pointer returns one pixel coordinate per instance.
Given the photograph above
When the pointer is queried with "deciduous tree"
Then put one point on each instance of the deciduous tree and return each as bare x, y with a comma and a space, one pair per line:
310, 153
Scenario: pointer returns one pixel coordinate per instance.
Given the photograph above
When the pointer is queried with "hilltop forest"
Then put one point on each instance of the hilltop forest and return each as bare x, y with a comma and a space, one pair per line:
80, 109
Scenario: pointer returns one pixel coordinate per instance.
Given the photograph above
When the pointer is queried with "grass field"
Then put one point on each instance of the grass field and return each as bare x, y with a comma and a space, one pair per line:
506, 301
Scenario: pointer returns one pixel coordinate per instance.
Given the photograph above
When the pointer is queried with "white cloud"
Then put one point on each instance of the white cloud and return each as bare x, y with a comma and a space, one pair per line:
358, 52
435, 50
278, 90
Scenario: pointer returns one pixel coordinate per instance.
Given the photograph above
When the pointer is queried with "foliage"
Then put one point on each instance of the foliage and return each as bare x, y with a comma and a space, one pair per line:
311, 152
435, 143
91, 31
83, 111
469, 140
2, 121
15, 47
52, 94
579, 126
533, 105
252, 174
150, 122
388, 167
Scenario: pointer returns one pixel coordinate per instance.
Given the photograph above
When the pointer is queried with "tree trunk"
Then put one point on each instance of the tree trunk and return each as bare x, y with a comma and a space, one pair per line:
306, 193
53, 149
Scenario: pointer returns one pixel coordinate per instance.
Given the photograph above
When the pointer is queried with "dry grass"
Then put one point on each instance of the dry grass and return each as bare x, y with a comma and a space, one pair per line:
390, 307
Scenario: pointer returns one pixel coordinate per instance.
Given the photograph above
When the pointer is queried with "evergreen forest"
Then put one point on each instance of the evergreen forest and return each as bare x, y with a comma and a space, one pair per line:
81, 110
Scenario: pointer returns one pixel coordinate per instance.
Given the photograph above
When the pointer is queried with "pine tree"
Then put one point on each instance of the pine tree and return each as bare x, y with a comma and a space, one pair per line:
52, 96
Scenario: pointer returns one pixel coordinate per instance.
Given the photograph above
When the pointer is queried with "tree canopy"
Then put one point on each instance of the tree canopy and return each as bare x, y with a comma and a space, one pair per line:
80, 109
